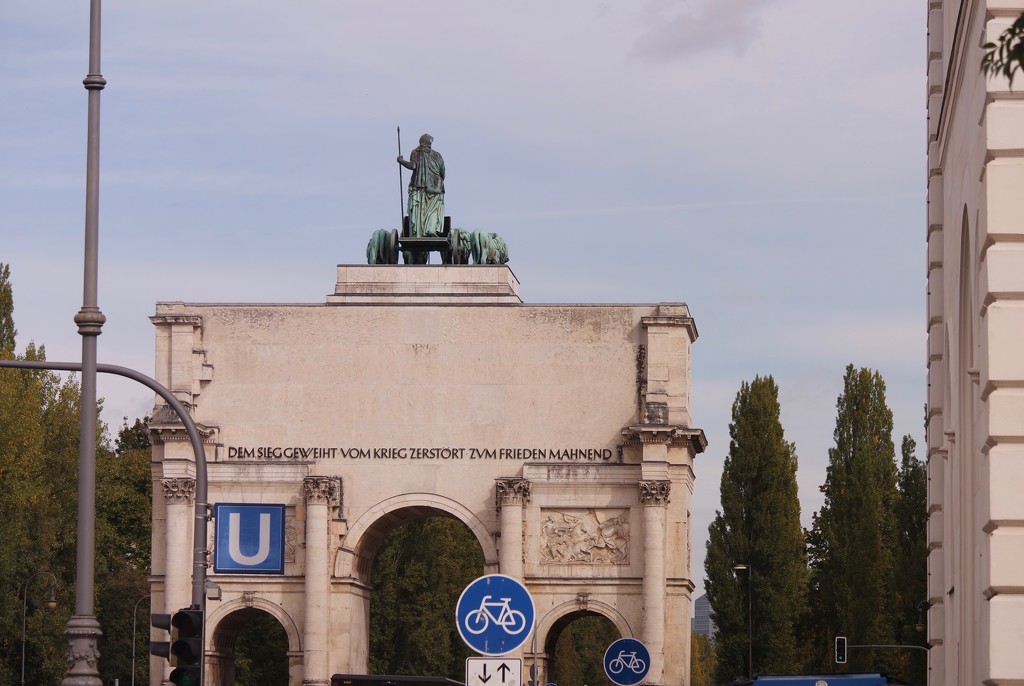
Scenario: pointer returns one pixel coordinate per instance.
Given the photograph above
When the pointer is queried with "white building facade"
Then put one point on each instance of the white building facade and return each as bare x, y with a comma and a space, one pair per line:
975, 305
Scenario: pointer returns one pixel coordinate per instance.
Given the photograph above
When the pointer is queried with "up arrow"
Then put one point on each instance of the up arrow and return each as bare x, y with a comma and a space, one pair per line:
504, 669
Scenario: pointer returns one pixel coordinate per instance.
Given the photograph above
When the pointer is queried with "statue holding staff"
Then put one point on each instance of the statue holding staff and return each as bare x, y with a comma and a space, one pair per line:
426, 189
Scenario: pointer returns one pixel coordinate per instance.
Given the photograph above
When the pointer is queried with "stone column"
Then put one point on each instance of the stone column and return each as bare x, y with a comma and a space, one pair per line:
510, 496
180, 495
654, 498
321, 492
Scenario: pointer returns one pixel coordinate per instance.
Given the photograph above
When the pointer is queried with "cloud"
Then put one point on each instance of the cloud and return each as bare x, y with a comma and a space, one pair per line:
716, 25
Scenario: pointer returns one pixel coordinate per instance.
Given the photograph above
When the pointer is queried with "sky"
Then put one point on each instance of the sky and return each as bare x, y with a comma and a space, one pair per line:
761, 160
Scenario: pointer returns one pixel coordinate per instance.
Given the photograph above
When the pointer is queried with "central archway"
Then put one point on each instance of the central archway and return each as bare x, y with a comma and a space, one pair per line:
366, 534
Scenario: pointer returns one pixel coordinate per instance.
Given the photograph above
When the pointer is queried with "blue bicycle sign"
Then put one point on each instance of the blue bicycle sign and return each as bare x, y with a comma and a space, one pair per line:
512, 621
494, 614
627, 661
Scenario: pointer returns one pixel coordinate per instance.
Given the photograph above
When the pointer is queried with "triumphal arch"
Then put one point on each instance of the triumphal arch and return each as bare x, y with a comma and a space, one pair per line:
560, 435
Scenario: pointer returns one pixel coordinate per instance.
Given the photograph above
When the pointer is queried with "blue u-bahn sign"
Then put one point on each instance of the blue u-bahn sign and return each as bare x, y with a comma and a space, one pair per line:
249, 539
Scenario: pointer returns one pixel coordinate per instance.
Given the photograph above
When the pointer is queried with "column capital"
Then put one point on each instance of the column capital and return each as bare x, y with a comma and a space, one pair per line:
322, 490
655, 492
179, 490
512, 491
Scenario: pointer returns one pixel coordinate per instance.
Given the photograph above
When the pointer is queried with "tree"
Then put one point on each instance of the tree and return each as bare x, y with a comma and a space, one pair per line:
39, 446
853, 537
7, 331
911, 570
758, 526
418, 574
1006, 56
702, 660
579, 652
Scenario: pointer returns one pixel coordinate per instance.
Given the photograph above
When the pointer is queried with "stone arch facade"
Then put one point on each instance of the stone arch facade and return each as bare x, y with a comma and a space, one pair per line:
559, 435
551, 625
363, 537
223, 624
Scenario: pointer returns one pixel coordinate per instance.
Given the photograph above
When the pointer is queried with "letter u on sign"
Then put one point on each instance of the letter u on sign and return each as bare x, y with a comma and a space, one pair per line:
249, 539
234, 535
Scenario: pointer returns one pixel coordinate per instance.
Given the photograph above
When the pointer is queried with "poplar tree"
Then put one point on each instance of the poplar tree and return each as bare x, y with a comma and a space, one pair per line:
911, 571
758, 526
853, 540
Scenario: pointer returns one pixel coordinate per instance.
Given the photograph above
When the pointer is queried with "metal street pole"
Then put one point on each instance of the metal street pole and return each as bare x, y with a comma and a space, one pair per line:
83, 630
135, 614
51, 602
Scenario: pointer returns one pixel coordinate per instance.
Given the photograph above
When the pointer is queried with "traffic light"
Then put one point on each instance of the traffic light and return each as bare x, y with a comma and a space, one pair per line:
187, 647
161, 648
840, 650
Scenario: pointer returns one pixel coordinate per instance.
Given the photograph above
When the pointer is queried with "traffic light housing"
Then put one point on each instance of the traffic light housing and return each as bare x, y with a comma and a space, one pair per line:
161, 648
187, 647
840, 650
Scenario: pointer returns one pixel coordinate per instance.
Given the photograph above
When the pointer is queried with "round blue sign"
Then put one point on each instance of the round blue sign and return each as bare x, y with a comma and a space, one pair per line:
494, 614
627, 661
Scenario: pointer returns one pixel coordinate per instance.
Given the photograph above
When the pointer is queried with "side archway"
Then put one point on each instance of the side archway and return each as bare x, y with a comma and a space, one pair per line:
223, 626
557, 620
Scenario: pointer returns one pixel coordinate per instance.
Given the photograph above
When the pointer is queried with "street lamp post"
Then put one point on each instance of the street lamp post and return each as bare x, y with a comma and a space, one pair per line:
83, 630
135, 614
51, 602
749, 569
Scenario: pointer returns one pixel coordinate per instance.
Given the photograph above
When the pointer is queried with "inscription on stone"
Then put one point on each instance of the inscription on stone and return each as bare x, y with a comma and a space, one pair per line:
585, 537
264, 452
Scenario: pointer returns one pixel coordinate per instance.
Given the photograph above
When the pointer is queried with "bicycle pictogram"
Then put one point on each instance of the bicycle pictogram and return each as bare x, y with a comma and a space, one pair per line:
511, 621
627, 660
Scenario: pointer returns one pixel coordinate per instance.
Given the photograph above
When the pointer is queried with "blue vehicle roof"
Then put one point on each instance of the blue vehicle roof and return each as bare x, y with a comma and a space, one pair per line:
823, 680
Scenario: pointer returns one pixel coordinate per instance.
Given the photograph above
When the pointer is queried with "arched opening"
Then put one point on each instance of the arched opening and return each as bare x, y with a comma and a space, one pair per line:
575, 648
249, 647
421, 563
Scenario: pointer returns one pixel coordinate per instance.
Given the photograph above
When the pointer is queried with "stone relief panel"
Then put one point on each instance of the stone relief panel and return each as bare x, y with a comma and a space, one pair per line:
290, 534
596, 536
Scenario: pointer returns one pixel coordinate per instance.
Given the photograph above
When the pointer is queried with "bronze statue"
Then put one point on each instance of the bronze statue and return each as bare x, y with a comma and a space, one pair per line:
426, 189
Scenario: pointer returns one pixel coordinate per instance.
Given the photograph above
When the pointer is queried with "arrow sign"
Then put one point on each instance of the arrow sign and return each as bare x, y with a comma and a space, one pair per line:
491, 671
494, 614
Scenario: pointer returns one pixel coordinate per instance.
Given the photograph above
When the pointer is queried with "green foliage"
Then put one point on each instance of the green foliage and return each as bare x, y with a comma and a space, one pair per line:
261, 653
911, 573
7, 330
759, 526
39, 446
703, 661
579, 652
1005, 57
853, 540
418, 575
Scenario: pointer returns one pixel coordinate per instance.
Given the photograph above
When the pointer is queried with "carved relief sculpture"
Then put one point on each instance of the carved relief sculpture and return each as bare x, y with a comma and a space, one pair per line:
585, 537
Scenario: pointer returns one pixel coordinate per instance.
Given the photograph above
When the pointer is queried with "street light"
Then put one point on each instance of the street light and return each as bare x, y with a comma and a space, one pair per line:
51, 602
135, 614
749, 569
